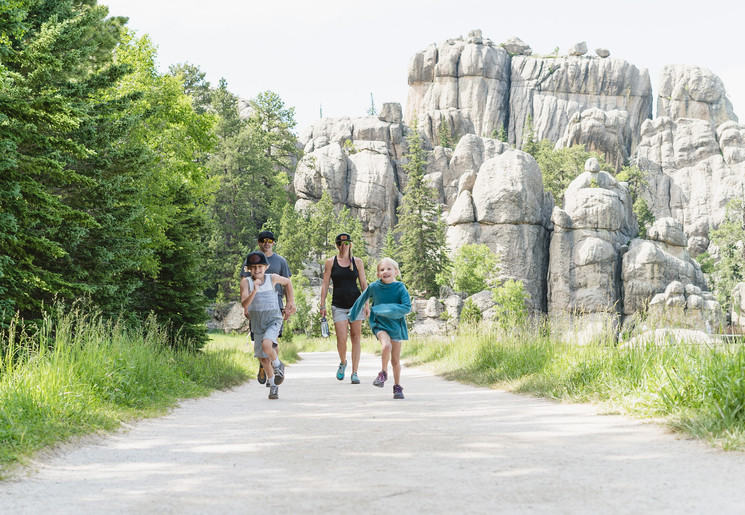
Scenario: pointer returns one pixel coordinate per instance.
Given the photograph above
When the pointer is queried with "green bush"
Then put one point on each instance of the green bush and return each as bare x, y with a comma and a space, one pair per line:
470, 314
510, 309
475, 268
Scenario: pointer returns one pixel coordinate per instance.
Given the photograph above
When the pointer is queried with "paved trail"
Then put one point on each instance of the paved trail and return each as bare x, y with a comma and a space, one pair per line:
332, 447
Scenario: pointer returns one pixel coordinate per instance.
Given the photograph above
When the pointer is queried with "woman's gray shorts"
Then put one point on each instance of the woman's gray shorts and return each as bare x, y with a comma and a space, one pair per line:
342, 314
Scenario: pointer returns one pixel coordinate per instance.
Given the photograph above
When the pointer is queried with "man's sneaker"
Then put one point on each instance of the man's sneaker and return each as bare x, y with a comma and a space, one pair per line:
380, 380
355, 379
261, 376
274, 392
398, 392
279, 374
340, 371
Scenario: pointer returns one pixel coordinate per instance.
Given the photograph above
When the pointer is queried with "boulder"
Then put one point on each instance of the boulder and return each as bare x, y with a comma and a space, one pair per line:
550, 90
605, 132
650, 266
693, 171
464, 82
587, 245
693, 92
505, 210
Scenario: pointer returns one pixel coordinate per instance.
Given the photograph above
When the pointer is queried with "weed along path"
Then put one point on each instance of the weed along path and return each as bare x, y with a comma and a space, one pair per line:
332, 447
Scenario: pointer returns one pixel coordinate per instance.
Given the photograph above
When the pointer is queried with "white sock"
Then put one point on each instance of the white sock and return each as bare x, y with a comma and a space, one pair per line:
276, 363
271, 381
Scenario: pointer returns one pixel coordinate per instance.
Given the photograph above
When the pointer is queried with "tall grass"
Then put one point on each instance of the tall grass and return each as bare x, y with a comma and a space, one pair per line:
697, 389
78, 374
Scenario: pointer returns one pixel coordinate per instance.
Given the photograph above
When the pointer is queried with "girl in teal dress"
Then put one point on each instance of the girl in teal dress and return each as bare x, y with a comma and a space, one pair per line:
390, 304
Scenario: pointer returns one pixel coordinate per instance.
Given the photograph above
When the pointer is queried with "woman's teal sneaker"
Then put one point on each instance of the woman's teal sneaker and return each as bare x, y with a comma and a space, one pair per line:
340, 371
355, 379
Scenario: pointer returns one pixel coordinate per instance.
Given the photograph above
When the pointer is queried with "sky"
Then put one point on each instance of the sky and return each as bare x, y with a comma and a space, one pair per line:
335, 57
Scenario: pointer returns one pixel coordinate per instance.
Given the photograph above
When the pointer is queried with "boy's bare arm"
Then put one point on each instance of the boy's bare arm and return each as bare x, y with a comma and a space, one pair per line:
289, 293
246, 296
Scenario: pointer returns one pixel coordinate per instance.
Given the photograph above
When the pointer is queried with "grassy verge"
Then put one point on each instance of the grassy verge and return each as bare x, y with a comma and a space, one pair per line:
695, 389
81, 375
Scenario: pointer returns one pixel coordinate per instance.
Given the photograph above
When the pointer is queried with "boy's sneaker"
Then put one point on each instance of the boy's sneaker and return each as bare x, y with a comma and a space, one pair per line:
398, 392
355, 379
380, 380
279, 374
340, 371
261, 376
274, 392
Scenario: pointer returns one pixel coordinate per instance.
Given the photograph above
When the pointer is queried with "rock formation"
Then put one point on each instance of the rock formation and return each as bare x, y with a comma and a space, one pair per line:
463, 82
694, 170
580, 258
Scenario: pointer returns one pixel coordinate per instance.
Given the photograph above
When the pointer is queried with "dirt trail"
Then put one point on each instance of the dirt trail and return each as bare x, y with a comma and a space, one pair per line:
332, 447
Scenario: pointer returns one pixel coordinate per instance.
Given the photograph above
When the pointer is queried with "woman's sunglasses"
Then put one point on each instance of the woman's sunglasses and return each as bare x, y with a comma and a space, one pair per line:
343, 243
266, 240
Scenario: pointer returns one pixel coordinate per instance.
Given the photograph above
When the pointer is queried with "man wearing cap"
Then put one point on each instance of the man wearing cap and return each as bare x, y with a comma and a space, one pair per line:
277, 265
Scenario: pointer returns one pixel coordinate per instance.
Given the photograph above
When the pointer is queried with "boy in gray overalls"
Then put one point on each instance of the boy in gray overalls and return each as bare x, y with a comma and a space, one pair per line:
261, 306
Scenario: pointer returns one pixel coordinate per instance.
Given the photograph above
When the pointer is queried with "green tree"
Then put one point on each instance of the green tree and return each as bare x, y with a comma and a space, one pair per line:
55, 58
559, 166
308, 239
196, 85
637, 181
174, 192
249, 168
729, 238
444, 134
371, 110
423, 248
475, 268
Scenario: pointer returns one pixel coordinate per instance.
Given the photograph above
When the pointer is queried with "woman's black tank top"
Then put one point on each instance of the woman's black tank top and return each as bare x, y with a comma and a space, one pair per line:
346, 290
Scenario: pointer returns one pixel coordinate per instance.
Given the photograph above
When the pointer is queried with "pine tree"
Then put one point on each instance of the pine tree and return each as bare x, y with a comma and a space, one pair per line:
423, 249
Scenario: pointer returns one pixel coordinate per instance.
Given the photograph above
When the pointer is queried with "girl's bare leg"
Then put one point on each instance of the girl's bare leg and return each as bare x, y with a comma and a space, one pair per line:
396, 360
385, 341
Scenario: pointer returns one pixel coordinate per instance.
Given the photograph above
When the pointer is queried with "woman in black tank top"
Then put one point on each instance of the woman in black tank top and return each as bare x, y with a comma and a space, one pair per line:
345, 272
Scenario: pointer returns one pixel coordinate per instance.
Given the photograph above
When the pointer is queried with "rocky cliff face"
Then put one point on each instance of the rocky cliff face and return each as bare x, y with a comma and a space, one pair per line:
582, 257
694, 170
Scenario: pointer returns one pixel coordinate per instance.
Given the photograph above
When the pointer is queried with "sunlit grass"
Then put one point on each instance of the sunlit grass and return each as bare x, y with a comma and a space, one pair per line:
80, 374
696, 389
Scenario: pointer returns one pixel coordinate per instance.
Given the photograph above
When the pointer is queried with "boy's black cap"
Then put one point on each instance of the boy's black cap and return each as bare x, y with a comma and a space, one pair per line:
256, 258
343, 237
266, 234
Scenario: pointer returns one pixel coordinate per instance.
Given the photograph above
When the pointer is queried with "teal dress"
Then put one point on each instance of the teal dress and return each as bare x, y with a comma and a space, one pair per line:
390, 303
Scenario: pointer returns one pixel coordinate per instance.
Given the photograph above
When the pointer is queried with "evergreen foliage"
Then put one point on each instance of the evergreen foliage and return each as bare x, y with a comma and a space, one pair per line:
423, 248
559, 167
637, 181
100, 172
444, 134
249, 169
308, 239
729, 238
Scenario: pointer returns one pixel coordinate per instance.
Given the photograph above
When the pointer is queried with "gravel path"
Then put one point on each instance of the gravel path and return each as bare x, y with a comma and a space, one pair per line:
332, 447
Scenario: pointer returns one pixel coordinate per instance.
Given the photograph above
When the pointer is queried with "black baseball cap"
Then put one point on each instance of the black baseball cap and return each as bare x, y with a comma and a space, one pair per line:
266, 234
343, 237
256, 258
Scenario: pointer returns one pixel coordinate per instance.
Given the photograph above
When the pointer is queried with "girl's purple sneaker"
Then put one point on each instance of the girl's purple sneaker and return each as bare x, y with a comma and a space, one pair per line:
398, 391
380, 380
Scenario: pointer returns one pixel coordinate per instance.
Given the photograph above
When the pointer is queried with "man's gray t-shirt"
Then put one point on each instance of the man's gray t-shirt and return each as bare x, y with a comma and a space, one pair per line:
277, 265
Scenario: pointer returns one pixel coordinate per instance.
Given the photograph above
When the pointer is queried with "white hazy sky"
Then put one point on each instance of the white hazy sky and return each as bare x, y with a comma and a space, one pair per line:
332, 54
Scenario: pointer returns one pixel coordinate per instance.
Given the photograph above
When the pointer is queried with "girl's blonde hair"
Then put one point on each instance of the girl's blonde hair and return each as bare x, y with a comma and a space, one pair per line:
391, 262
